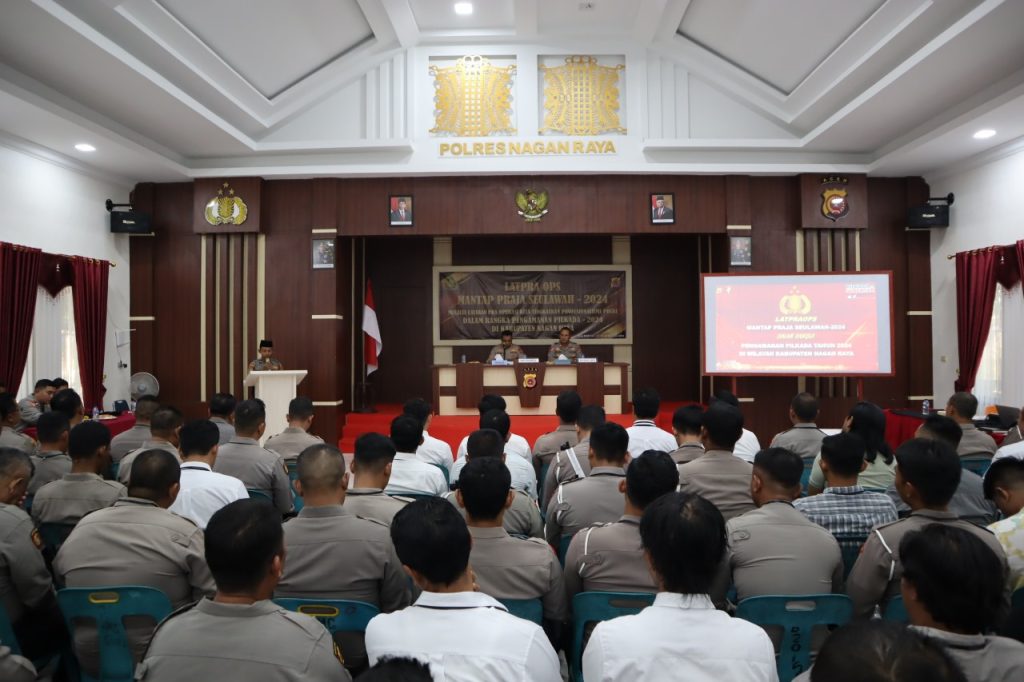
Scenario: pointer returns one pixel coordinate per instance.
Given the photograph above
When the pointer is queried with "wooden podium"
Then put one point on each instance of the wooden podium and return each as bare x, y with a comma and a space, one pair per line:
276, 390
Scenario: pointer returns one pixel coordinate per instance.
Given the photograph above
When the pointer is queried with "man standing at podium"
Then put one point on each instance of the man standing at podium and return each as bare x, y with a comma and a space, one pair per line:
506, 349
565, 347
265, 362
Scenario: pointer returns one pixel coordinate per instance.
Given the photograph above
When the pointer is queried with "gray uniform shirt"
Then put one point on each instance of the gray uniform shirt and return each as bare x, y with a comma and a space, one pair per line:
608, 558
975, 443
124, 471
721, 478
256, 467
372, 503
687, 452
804, 439
981, 657
968, 501
590, 500
562, 469
9, 438
126, 441
14, 668
522, 518
49, 466
238, 642
291, 442
227, 430
31, 411
550, 443
24, 580
74, 496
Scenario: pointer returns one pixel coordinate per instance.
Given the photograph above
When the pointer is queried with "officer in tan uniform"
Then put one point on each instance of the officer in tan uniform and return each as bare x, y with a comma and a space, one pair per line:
10, 419
222, 412
137, 436
84, 489
574, 462
265, 362
506, 567
686, 423
296, 438
334, 554
565, 348
166, 429
371, 470
258, 468
927, 475
51, 462
609, 557
961, 407
718, 476
31, 408
596, 498
805, 437
567, 407
506, 349
240, 634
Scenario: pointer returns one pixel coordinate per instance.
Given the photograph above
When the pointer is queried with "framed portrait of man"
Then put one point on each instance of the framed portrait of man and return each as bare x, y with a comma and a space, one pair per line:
663, 208
400, 210
740, 251
323, 254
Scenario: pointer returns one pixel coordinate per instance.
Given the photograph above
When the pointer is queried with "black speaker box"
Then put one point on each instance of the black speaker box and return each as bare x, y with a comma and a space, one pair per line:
130, 222
928, 215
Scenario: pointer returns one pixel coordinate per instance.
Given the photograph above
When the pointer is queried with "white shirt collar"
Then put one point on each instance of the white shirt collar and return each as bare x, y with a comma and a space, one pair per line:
676, 600
458, 600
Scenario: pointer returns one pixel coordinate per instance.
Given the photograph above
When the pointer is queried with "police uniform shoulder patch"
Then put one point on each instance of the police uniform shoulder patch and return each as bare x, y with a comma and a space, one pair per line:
739, 535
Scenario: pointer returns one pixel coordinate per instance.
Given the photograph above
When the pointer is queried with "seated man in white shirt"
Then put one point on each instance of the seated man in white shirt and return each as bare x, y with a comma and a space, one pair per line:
681, 636
644, 434
517, 445
748, 445
524, 476
461, 633
431, 450
409, 474
203, 491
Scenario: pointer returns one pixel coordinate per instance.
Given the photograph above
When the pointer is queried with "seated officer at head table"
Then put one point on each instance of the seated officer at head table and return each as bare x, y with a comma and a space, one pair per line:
265, 362
565, 347
506, 349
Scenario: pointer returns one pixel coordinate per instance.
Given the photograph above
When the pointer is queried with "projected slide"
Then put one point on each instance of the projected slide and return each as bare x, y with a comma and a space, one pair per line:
820, 324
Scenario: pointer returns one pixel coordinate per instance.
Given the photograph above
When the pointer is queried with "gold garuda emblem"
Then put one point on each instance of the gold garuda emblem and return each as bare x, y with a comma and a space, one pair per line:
532, 203
794, 303
226, 208
834, 204
529, 380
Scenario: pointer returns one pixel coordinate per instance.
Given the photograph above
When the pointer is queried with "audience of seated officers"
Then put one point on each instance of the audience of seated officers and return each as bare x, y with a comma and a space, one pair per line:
609, 557
165, 430
567, 409
257, 468
522, 517
202, 490
846, 509
431, 450
410, 475
51, 461
36, 405
927, 475
371, 471
507, 567
961, 408
222, 413
644, 434
574, 462
10, 419
296, 437
137, 436
239, 633
686, 423
517, 445
333, 553
596, 498
866, 420
717, 475
805, 437
463, 634
1004, 485
83, 489
524, 476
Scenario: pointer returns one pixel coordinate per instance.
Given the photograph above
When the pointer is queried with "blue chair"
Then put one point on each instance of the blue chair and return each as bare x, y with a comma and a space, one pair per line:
7, 637
28, 504
796, 615
805, 478
114, 468
850, 546
259, 495
54, 534
293, 475
896, 610
978, 465
593, 607
527, 609
107, 607
563, 548
444, 472
337, 615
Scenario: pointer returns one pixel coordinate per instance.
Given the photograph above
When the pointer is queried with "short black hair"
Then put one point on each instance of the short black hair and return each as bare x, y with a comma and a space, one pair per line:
805, 406
958, 578
419, 409
374, 451
941, 427
684, 525
932, 467
300, 408
609, 442
153, 473
485, 443
491, 401
497, 420
60, 383
688, 419
1005, 472
646, 403
198, 437
590, 417
52, 425
166, 420
8, 405
222, 404
784, 467
146, 406
431, 537
882, 651
844, 453
568, 329
867, 420
567, 406
406, 433
41, 384
249, 414
86, 438
507, 332
724, 396
320, 467
484, 483
965, 404
12, 461
67, 401
724, 424
650, 476
390, 669
241, 541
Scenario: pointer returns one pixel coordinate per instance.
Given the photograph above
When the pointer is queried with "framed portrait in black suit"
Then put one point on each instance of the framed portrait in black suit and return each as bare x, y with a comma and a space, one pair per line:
400, 210
663, 208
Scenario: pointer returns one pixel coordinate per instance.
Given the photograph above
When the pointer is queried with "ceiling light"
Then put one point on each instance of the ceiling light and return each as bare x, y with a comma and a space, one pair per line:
85, 147
463, 8
984, 134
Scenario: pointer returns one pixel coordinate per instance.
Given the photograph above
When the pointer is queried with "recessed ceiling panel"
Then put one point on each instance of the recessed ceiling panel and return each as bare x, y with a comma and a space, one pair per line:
594, 17
439, 15
779, 42
274, 44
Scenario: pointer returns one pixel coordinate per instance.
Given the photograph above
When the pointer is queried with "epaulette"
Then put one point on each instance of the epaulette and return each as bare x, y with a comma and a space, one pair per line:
173, 614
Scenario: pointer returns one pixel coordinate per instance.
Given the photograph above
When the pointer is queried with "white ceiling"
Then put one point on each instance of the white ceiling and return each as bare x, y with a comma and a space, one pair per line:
172, 88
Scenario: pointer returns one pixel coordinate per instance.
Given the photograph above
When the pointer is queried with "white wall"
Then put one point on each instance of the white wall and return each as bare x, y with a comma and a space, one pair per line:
60, 210
986, 212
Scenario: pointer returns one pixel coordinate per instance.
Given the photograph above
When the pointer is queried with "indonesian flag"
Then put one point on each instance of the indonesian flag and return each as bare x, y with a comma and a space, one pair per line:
372, 344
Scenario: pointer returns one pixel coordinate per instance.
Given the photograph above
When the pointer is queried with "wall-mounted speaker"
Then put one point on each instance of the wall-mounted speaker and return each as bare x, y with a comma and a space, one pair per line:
130, 222
928, 215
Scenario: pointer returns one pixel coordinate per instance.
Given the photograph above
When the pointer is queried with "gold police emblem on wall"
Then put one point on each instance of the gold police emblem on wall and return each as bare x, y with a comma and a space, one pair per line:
226, 208
582, 97
473, 98
533, 204
834, 204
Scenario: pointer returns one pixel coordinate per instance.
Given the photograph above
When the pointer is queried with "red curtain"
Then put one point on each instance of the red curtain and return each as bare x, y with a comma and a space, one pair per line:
1020, 260
89, 294
975, 296
19, 283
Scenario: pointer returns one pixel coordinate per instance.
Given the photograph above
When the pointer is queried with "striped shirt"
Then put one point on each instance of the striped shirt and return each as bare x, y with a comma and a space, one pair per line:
848, 511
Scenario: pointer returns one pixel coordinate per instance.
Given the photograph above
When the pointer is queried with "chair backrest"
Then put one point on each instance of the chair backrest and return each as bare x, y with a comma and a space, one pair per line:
593, 607
54, 534
114, 468
337, 615
563, 548
28, 503
850, 546
259, 495
527, 609
7, 637
977, 464
293, 475
444, 472
896, 610
805, 477
797, 616
107, 607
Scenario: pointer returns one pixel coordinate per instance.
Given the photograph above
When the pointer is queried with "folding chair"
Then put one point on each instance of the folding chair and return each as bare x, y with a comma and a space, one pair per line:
896, 610
850, 546
293, 475
337, 615
259, 495
527, 609
977, 464
593, 607
54, 534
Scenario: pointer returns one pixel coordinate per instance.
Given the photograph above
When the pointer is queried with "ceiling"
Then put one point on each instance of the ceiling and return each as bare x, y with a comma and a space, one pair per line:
167, 88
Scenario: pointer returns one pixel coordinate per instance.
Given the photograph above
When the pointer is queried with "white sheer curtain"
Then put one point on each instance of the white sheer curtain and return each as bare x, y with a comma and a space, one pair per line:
52, 351
1013, 358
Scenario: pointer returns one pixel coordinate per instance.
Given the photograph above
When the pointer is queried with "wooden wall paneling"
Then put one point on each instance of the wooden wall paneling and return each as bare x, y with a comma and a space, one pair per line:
325, 203
344, 305
209, 349
222, 300
554, 250
238, 360
737, 200
919, 298
140, 278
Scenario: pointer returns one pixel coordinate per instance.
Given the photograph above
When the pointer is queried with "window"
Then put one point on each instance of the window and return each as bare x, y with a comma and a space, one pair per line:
52, 351
998, 380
